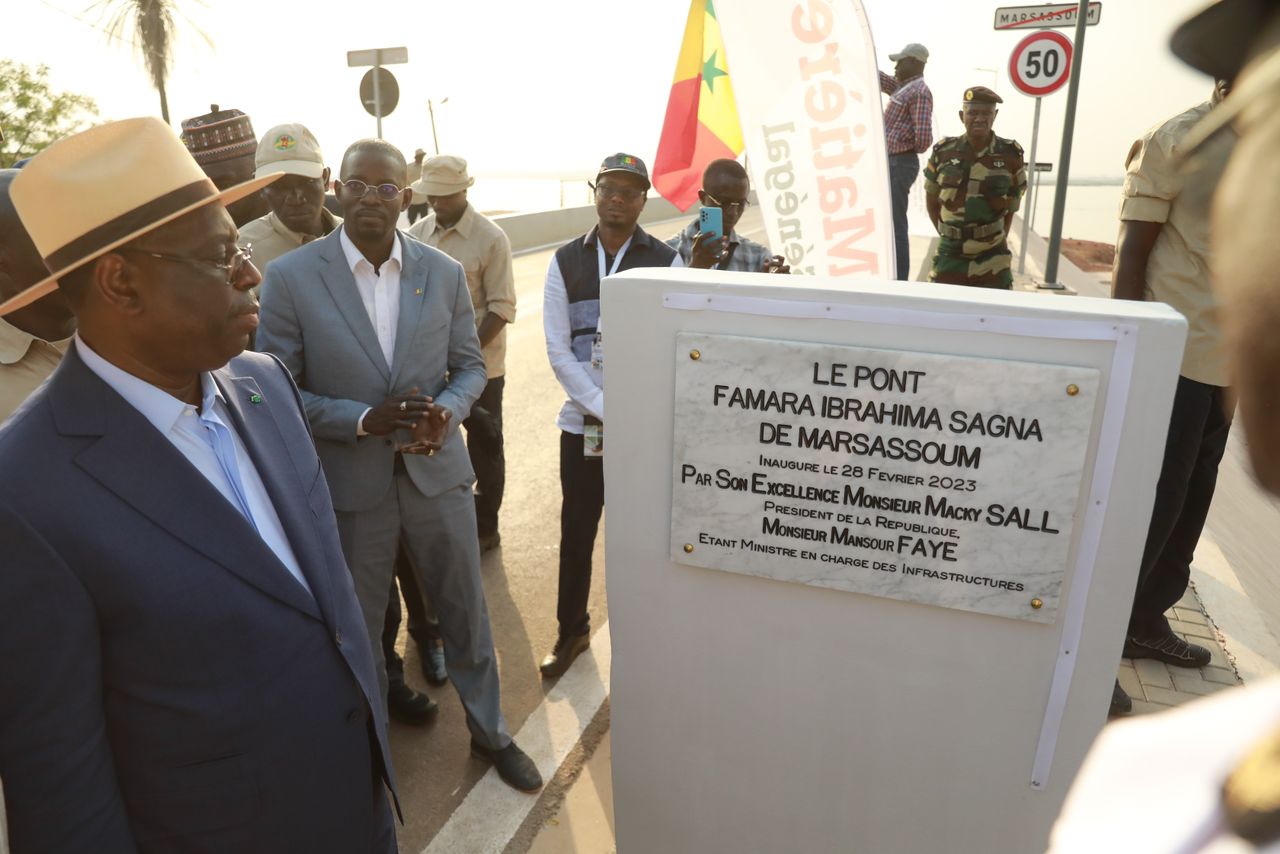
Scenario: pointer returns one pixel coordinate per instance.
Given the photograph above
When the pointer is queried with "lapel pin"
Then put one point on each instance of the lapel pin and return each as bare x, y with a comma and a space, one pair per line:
418, 292
255, 399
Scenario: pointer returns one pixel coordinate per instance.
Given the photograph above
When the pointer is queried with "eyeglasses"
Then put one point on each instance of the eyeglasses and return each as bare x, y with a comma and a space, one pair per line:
359, 189
233, 267
614, 191
731, 206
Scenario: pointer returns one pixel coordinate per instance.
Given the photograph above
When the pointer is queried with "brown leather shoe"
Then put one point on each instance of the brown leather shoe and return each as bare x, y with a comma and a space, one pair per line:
566, 650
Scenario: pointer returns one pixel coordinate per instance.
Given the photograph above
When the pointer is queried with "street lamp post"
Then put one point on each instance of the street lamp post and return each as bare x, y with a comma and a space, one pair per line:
432, 112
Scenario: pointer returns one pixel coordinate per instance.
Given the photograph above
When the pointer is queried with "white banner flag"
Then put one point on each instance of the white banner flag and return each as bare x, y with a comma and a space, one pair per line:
808, 94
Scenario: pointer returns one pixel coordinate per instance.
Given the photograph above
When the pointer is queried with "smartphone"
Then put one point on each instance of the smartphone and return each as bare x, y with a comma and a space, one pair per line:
711, 221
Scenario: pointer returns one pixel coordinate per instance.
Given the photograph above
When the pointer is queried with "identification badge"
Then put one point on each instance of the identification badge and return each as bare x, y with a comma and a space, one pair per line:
592, 438
597, 353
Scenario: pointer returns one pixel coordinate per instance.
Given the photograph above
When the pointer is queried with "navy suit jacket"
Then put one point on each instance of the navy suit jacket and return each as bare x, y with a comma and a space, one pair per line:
165, 684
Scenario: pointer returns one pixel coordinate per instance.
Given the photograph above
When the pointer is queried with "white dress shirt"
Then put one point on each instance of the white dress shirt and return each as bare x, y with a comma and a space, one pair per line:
583, 385
379, 290
184, 426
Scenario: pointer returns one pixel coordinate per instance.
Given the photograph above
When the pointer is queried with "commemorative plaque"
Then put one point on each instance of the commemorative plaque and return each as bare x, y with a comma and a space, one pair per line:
945, 480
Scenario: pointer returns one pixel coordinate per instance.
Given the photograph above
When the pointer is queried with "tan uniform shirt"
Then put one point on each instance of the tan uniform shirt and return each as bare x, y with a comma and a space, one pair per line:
25, 362
1178, 269
271, 238
482, 248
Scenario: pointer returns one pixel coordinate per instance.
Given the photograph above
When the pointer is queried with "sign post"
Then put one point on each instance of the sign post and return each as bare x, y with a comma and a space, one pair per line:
378, 57
1068, 130
1038, 66
1035, 188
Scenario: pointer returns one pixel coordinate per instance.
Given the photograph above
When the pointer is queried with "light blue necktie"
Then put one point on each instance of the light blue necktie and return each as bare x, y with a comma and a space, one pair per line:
224, 448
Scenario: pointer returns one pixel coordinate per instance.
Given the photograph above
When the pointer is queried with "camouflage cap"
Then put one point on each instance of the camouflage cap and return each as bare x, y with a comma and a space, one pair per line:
981, 95
219, 135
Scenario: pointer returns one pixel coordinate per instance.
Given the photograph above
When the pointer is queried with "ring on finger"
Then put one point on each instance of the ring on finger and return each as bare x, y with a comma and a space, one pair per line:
404, 406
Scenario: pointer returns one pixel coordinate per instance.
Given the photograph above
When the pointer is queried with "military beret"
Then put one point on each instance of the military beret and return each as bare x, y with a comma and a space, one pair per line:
981, 95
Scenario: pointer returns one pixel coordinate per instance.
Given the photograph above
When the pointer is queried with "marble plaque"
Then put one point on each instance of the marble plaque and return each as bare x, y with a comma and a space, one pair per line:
946, 480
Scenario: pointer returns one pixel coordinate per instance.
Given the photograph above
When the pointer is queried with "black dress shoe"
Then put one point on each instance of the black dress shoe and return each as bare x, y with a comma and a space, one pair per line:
408, 706
1166, 647
489, 542
514, 765
566, 650
431, 655
1120, 702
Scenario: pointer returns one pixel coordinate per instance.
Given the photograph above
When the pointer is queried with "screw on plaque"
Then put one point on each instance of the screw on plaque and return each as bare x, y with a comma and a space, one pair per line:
688, 548
1037, 604
695, 354
1073, 390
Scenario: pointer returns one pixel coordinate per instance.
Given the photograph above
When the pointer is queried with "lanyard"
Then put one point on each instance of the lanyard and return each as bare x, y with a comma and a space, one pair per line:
617, 258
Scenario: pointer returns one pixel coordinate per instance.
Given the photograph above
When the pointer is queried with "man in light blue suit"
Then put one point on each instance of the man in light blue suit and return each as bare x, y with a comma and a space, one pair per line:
378, 331
182, 666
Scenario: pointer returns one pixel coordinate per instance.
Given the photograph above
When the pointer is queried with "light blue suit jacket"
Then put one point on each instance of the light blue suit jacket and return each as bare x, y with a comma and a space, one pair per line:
314, 320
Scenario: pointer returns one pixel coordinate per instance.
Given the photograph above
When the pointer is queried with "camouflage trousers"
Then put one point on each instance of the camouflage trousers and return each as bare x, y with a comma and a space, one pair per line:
991, 269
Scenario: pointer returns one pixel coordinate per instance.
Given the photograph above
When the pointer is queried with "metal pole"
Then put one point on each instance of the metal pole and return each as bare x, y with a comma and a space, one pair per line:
1035, 199
434, 140
377, 90
1026, 221
1064, 167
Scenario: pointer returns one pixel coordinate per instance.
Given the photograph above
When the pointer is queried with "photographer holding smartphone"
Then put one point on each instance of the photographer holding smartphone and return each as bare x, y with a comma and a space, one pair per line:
710, 241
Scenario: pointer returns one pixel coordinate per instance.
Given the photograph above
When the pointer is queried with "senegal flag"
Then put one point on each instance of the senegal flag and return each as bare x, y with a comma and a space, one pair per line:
702, 121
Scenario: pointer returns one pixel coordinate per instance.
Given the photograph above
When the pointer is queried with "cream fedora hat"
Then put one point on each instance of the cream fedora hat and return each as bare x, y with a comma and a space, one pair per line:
87, 194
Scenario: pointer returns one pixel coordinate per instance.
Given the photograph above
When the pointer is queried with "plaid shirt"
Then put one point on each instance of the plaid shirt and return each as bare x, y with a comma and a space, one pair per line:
748, 256
908, 120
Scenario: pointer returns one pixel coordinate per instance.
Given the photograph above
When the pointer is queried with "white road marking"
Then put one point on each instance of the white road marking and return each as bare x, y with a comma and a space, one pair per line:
1245, 634
492, 811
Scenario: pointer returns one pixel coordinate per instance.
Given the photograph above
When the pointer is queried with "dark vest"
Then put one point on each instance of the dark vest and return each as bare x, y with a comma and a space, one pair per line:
579, 264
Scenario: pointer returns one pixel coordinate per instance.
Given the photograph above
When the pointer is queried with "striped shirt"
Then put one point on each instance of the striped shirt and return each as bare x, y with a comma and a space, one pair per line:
908, 120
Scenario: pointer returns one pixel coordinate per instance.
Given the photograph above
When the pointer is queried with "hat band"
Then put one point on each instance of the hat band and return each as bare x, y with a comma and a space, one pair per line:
131, 222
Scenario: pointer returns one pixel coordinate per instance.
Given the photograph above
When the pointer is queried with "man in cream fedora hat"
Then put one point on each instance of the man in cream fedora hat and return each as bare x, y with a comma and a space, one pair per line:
164, 516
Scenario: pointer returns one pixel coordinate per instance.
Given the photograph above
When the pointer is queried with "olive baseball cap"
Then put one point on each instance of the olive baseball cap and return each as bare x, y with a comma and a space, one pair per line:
628, 163
290, 149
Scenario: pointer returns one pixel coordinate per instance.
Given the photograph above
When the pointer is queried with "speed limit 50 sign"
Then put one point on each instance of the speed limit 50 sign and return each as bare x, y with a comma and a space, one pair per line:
1041, 63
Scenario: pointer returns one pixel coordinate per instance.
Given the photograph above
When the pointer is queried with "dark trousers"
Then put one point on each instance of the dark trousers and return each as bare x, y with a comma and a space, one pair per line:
582, 491
424, 627
1198, 429
484, 445
903, 169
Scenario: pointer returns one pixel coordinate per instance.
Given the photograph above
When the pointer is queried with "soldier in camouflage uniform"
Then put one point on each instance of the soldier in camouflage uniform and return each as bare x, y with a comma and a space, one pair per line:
973, 185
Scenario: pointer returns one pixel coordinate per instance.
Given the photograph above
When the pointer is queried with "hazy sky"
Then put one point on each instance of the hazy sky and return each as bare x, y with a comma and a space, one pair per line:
552, 87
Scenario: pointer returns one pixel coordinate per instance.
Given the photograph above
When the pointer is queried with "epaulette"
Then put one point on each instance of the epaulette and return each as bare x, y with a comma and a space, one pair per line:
1009, 143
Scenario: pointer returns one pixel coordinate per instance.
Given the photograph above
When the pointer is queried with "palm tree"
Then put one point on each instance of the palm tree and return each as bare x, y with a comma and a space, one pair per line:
152, 21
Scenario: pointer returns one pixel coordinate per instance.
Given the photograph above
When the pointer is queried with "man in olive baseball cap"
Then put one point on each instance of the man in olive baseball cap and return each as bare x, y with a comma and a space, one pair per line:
298, 214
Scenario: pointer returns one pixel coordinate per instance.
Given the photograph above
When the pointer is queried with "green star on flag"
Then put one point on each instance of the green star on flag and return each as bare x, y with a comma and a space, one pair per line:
710, 72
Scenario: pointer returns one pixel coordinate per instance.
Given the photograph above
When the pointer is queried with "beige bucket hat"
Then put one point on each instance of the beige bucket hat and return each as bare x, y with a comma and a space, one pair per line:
90, 193
443, 175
